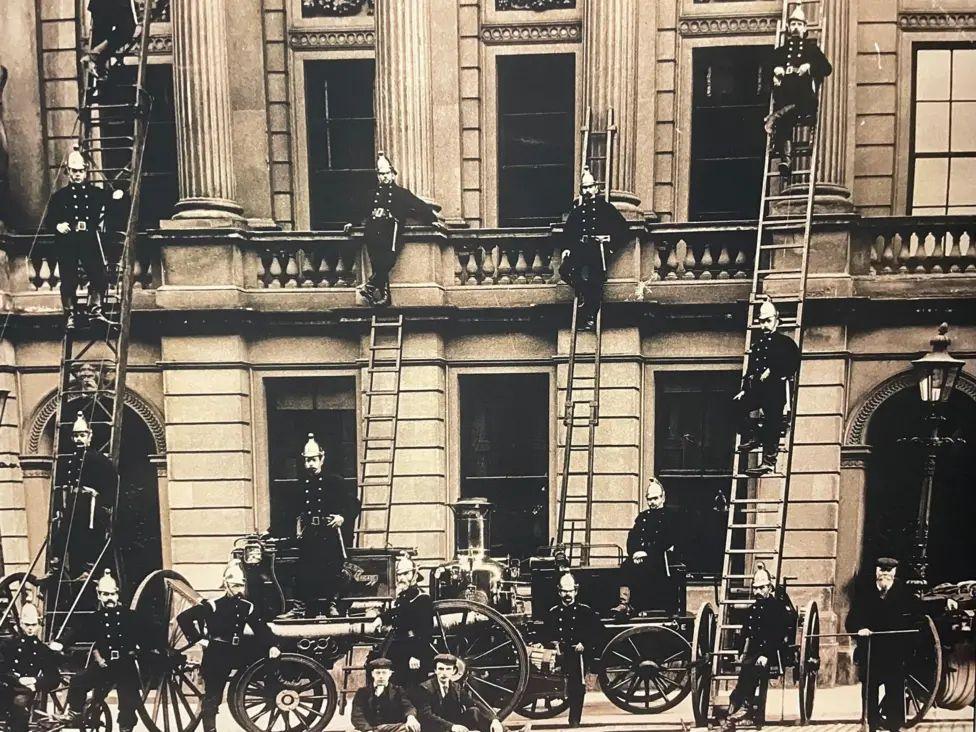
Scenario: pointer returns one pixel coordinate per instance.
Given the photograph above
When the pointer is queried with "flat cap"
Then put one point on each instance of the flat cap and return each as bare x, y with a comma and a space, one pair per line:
379, 663
886, 563
448, 658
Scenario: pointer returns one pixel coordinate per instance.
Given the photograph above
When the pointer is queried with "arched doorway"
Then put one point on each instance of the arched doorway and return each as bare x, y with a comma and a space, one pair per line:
894, 476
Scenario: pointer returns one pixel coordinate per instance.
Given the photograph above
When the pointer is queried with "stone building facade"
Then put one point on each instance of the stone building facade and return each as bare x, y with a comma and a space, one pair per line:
246, 333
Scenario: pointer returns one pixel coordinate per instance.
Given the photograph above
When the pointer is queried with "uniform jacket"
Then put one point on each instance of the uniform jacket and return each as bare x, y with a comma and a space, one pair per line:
594, 216
438, 713
652, 533
412, 619
774, 351
369, 711
392, 203
324, 495
110, 17
223, 620
768, 628
572, 624
899, 609
117, 633
796, 50
21, 656
83, 203
87, 469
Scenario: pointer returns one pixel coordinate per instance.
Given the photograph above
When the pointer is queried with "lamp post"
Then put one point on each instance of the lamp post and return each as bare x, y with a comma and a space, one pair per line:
937, 373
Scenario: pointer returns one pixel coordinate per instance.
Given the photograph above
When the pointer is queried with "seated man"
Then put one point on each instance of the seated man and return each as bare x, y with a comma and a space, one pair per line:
648, 567
27, 666
446, 706
381, 706
767, 631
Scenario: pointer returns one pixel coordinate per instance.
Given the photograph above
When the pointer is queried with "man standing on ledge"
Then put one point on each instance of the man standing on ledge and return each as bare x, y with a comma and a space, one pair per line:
390, 206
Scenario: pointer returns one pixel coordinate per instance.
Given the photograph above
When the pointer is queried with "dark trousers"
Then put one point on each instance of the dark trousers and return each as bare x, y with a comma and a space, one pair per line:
83, 248
121, 675
574, 666
650, 586
219, 661
768, 425
115, 29
749, 679
381, 248
793, 102
892, 707
319, 573
394, 727
583, 271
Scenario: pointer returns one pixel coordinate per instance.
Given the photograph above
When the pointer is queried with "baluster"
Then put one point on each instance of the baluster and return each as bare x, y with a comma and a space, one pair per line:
45, 274
458, 267
874, 263
922, 261
325, 275
954, 255
137, 273
888, 259
343, 275
938, 253
724, 259
521, 268
488, 264
291, 268
350, 261
969, 259
739, 265
687, 270
307, 268
706, 264
537, 268
275, 271
672, 262
472, 268
656, 263
33, 278
555, 259
262, 270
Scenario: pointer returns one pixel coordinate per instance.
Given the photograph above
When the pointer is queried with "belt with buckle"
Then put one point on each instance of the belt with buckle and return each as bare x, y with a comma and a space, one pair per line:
316, 520
381, 213
114, 656
81, 226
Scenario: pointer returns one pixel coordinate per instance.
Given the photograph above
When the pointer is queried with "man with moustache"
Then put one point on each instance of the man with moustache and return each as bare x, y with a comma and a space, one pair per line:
411, 620
27, 666
448, 706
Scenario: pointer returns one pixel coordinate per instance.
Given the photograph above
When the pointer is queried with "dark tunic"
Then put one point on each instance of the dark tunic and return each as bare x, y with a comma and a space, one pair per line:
87, 517
112, 21
796, 88
371, 712
82, 207
412, 619
390, 207
767, 631
651, 581
781, 356
22, 656
568, 625
438, 713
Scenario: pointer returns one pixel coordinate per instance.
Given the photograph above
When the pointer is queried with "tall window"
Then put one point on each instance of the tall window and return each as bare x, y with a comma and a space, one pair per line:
694, 437
536, 134
505, 456
730, 99
326, 407
943, 177
341, 146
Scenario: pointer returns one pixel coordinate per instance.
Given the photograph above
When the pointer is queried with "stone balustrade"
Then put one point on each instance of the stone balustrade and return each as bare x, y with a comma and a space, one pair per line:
506, 257
702, 252
314, 264
918, 245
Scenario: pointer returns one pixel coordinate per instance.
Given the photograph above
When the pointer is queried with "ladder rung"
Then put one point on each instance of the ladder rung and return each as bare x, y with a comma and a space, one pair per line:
730, 626
381, 392
756, 552
787, 197
767, 270
756, 501
738, 603
381, 417
756, 527
778, 247
746, 476
376, 461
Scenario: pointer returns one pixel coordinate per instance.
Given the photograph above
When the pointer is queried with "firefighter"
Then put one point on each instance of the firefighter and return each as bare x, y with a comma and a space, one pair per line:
648, 569
27, 666
218, 626
886, 604
575, 628
117, 635
594, 229
325, 529
380, 705
113, 26
799, 67
766, 634
447, 706
390, 207
774, 360
411, 623
87, 491
86, 395
76, 212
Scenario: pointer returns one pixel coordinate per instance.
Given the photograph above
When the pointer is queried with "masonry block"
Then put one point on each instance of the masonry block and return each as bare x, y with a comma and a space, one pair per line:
204, 466
211, 522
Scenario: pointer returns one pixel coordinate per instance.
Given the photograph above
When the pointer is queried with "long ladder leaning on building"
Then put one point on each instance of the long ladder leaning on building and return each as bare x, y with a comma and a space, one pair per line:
757, 510
112, 127
581, 412
381, 405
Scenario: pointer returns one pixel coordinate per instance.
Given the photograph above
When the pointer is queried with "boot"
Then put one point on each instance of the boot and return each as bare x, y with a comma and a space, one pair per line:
298, 611
623, 611
209, 721
786, 161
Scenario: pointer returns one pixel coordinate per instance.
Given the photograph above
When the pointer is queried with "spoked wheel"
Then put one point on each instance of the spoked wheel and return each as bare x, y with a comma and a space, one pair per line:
490, 649
172, 690
702, 646
646, 669
17, 588
808, 664
543, 707
923, 672
291, 693
52, 706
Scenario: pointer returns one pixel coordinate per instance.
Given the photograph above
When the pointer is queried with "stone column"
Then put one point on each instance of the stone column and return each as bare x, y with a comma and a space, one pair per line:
832, 189
610, 81
204, 132
404, 113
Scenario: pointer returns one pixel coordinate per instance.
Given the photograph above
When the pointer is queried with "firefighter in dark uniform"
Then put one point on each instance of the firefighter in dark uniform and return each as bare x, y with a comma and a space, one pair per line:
886, 604
411, 623
218, 626
87, 491
575, 628
118, 635
86, 395
594, 229
390, 207
648, 569
799, 67
325, 529
380, 705
774, 360
766, 634
27, 666
113, 26
76, 213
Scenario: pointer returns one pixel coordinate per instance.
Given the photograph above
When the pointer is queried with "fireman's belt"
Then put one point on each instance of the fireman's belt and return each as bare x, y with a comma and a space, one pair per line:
114, 655
316, 520
81, 226
233, 641
595, 238
381, 213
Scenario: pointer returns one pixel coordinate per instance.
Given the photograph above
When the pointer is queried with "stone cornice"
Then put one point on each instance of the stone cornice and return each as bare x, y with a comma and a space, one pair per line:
936, 21
728, 25
568, 32
308, 40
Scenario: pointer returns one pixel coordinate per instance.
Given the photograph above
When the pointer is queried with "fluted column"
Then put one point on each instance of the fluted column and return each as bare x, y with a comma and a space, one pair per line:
610, 81
404, 112
832, 137
204, 134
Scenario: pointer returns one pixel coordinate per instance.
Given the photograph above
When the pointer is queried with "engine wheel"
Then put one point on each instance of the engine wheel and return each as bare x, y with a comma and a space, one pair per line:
923, 673
291, 693
16, 589
646, 669
809, 661
543, 707
702, 645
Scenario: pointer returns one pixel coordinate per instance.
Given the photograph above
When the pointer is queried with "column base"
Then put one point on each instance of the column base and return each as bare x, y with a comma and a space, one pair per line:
628, 204
831, 198
218, 210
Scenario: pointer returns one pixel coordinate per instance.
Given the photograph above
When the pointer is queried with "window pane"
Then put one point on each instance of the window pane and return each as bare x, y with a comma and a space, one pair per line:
962, 182
930, 182
932, 74
963, 126
964, 74
932, 127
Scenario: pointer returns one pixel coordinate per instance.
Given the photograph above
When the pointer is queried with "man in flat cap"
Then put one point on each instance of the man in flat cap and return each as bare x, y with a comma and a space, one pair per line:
391, 205
886, 604
382, 706
448, 706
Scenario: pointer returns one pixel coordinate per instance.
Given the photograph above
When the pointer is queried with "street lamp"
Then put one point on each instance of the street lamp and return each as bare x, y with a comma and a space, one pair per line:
937, 373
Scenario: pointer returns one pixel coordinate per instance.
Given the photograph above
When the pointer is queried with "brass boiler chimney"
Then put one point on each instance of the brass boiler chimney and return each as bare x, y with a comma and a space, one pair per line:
472, 527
